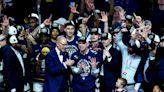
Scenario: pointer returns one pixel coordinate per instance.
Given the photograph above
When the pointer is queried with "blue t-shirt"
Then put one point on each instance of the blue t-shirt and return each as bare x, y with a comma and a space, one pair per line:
83, 80
72, 46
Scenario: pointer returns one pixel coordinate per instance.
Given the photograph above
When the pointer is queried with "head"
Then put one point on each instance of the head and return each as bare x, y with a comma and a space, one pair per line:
95, 36
129, 21
44, 35
2, 40
121, 82
106, 39
118, 12
45, 51
156, 88
54, 32
114, 34
61, 43
69, 29
14, 42
82, 44
148, 25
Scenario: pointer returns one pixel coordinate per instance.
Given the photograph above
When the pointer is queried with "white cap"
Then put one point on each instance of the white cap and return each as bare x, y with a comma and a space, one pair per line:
13, 39
97, 11
156, 38
34, 15
12, 30
44, 30
60, 21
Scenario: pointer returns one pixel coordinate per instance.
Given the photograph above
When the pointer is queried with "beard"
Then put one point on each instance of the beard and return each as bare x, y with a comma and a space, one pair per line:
16, 47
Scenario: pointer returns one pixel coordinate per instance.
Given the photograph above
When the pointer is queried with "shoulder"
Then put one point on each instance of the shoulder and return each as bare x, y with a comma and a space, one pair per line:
51, 53
92, 52
76, 55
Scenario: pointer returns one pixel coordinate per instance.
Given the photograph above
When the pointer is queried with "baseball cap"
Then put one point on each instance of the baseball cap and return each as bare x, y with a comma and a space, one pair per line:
13, 39
105, 36
82, 39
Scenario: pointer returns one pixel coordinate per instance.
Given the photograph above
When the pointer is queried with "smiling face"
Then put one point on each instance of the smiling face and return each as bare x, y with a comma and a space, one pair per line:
94, 37
83, 46
61, 43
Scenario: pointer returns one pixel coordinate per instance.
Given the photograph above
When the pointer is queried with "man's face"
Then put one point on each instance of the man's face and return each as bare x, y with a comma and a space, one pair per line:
82, 46
106, 42
95, 37
62, 44
16, 46
70, 30
32, 23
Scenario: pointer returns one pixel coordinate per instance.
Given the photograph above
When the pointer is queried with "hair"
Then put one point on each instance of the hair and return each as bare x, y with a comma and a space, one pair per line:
124, 81
59, 38
70, 23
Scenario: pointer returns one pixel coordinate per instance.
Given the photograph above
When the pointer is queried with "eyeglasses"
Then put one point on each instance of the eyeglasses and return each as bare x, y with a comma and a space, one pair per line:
64, 44
104, 38
94, 33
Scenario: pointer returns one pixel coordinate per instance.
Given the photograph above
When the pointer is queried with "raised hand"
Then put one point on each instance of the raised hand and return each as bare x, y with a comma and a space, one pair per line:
104, 16
85, 20
143, 33
74, 9
47, 21
93, 63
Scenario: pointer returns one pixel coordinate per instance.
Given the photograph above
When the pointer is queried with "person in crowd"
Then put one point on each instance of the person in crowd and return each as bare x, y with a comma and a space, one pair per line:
120, 85
111, 66
57, 67
85, 68
71, 38
95, 44
33, 22
14, 68
54, 33
156, 88
154, 71
131, 61
39, 73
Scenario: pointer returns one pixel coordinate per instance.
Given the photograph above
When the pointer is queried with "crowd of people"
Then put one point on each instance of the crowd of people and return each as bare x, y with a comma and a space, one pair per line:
83, 46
